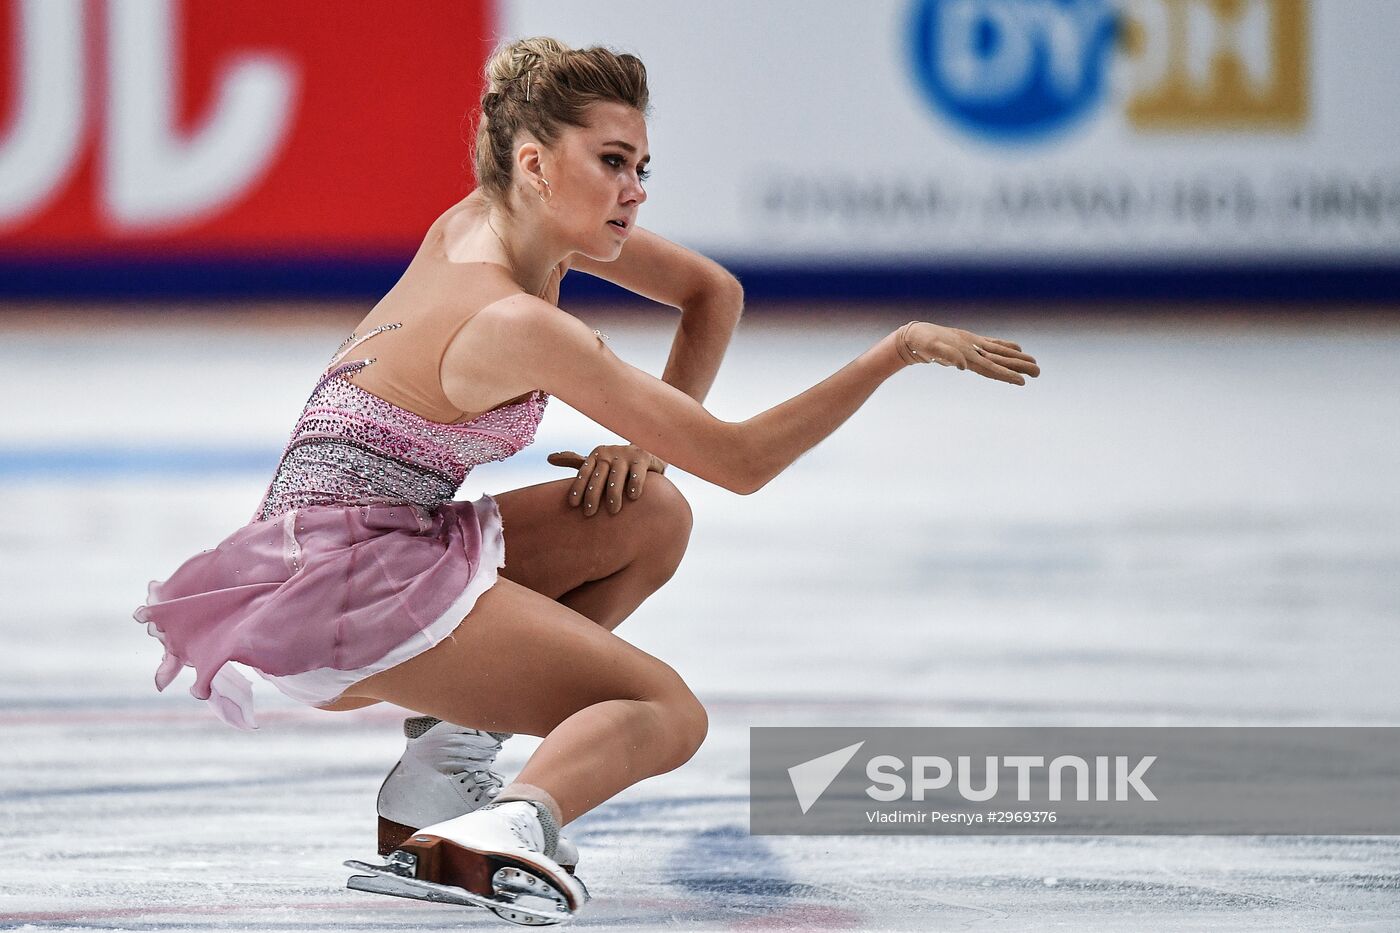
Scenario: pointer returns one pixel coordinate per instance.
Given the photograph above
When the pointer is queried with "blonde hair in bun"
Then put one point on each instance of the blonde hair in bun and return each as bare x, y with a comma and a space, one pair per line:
540, 85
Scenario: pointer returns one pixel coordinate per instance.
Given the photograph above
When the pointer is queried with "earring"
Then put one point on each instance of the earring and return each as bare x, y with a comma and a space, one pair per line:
545, 181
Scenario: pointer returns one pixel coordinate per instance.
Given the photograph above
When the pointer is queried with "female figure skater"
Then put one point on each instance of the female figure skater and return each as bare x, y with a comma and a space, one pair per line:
361, 581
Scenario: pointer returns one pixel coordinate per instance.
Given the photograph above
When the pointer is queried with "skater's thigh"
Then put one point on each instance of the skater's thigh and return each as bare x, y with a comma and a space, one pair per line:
552, 547
521, 662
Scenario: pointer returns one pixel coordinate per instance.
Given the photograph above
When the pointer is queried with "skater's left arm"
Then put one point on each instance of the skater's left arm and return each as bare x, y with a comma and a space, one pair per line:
710, 300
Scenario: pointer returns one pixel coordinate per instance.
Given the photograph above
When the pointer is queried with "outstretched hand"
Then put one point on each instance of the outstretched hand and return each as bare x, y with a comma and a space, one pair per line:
610, 469
922, 342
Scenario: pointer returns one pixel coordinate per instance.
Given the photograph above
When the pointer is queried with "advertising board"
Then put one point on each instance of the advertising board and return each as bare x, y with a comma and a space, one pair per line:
895, 147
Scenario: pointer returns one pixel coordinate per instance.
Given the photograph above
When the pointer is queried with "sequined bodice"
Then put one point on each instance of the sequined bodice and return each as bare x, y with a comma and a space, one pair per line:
350, 446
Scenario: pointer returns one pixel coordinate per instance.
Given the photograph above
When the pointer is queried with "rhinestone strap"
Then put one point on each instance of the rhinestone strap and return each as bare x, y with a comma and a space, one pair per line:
351, 342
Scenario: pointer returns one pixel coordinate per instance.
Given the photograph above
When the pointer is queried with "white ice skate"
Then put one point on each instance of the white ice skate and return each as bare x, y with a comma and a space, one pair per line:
498, 857
446, 771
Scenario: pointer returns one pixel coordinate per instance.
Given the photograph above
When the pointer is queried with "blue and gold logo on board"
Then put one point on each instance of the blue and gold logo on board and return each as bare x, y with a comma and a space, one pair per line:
1027, 70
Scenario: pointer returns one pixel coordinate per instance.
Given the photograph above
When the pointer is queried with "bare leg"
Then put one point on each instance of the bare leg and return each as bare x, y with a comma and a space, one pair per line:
602, 566
611, 714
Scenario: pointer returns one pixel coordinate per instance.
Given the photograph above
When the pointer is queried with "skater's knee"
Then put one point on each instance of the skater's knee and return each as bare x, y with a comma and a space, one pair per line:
687, 724
673, 719
696, 725
670, 523
670, 502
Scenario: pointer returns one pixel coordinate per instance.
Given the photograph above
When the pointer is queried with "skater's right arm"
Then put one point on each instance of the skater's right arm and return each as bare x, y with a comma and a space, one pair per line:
552, 350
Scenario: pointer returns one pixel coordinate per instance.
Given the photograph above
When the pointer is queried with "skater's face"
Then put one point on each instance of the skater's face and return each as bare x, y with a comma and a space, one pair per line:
596, 173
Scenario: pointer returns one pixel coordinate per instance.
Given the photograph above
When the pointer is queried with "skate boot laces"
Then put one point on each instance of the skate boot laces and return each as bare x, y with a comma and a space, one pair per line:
466, 756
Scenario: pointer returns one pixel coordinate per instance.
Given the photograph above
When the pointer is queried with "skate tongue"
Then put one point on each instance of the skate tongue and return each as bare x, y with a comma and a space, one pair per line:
415, 726
547, 822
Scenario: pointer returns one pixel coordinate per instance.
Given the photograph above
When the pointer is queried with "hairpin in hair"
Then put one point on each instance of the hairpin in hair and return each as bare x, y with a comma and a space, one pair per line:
527, 85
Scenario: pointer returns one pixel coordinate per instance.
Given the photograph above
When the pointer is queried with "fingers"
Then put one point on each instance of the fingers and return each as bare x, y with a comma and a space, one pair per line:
566, 458
636, 479
1016, 364
597, 484
999, 350
1001, 347
579, 490
604, 478
1001, 360
984, 365
616, 480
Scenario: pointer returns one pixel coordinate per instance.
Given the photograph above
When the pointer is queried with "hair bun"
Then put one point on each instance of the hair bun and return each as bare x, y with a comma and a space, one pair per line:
512, 62
540, 86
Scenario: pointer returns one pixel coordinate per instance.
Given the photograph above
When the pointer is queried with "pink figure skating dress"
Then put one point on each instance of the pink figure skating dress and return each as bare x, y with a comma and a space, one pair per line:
358, 558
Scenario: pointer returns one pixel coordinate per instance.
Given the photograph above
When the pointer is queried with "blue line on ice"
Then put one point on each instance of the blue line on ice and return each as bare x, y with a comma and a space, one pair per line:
165, 459
160, 460
301, 777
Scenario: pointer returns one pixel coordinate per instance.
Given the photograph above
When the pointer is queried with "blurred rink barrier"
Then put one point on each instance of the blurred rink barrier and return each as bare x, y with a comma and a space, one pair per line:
995, 149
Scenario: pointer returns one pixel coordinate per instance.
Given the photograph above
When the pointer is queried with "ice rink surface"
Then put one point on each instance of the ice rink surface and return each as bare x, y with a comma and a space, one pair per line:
1186, 521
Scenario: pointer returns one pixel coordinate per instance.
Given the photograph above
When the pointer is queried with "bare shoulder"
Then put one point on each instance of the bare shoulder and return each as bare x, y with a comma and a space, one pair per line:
532, 333
496, 354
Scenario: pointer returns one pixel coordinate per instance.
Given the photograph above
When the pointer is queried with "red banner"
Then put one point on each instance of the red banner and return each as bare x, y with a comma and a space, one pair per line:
247, 128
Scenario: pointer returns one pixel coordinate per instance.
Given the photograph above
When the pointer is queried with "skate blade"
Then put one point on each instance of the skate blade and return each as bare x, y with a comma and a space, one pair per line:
393, 835
519, 895
436, 858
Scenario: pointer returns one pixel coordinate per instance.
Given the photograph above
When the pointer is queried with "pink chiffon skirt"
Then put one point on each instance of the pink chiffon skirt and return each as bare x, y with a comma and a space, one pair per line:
322, 597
